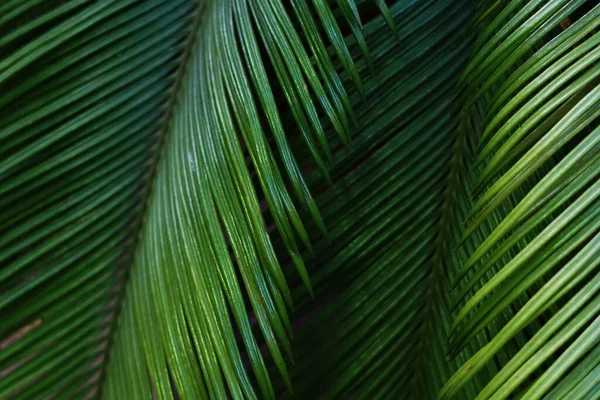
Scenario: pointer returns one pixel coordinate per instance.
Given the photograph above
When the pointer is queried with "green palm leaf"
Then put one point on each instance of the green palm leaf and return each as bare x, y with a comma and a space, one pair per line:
535, 203
299, 199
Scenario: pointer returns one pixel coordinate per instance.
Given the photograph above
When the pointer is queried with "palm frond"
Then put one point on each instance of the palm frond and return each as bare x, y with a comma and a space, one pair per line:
83, 86
534, 264
372, 274
205, 200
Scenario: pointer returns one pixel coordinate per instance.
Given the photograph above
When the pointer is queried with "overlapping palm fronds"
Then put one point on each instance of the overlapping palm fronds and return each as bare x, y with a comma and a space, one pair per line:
299, 199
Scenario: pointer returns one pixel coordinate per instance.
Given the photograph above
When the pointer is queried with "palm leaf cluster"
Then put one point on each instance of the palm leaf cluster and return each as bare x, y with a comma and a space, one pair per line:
299, 199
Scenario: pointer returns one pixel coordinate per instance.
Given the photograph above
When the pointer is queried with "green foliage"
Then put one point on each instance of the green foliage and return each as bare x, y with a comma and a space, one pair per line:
300, 199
